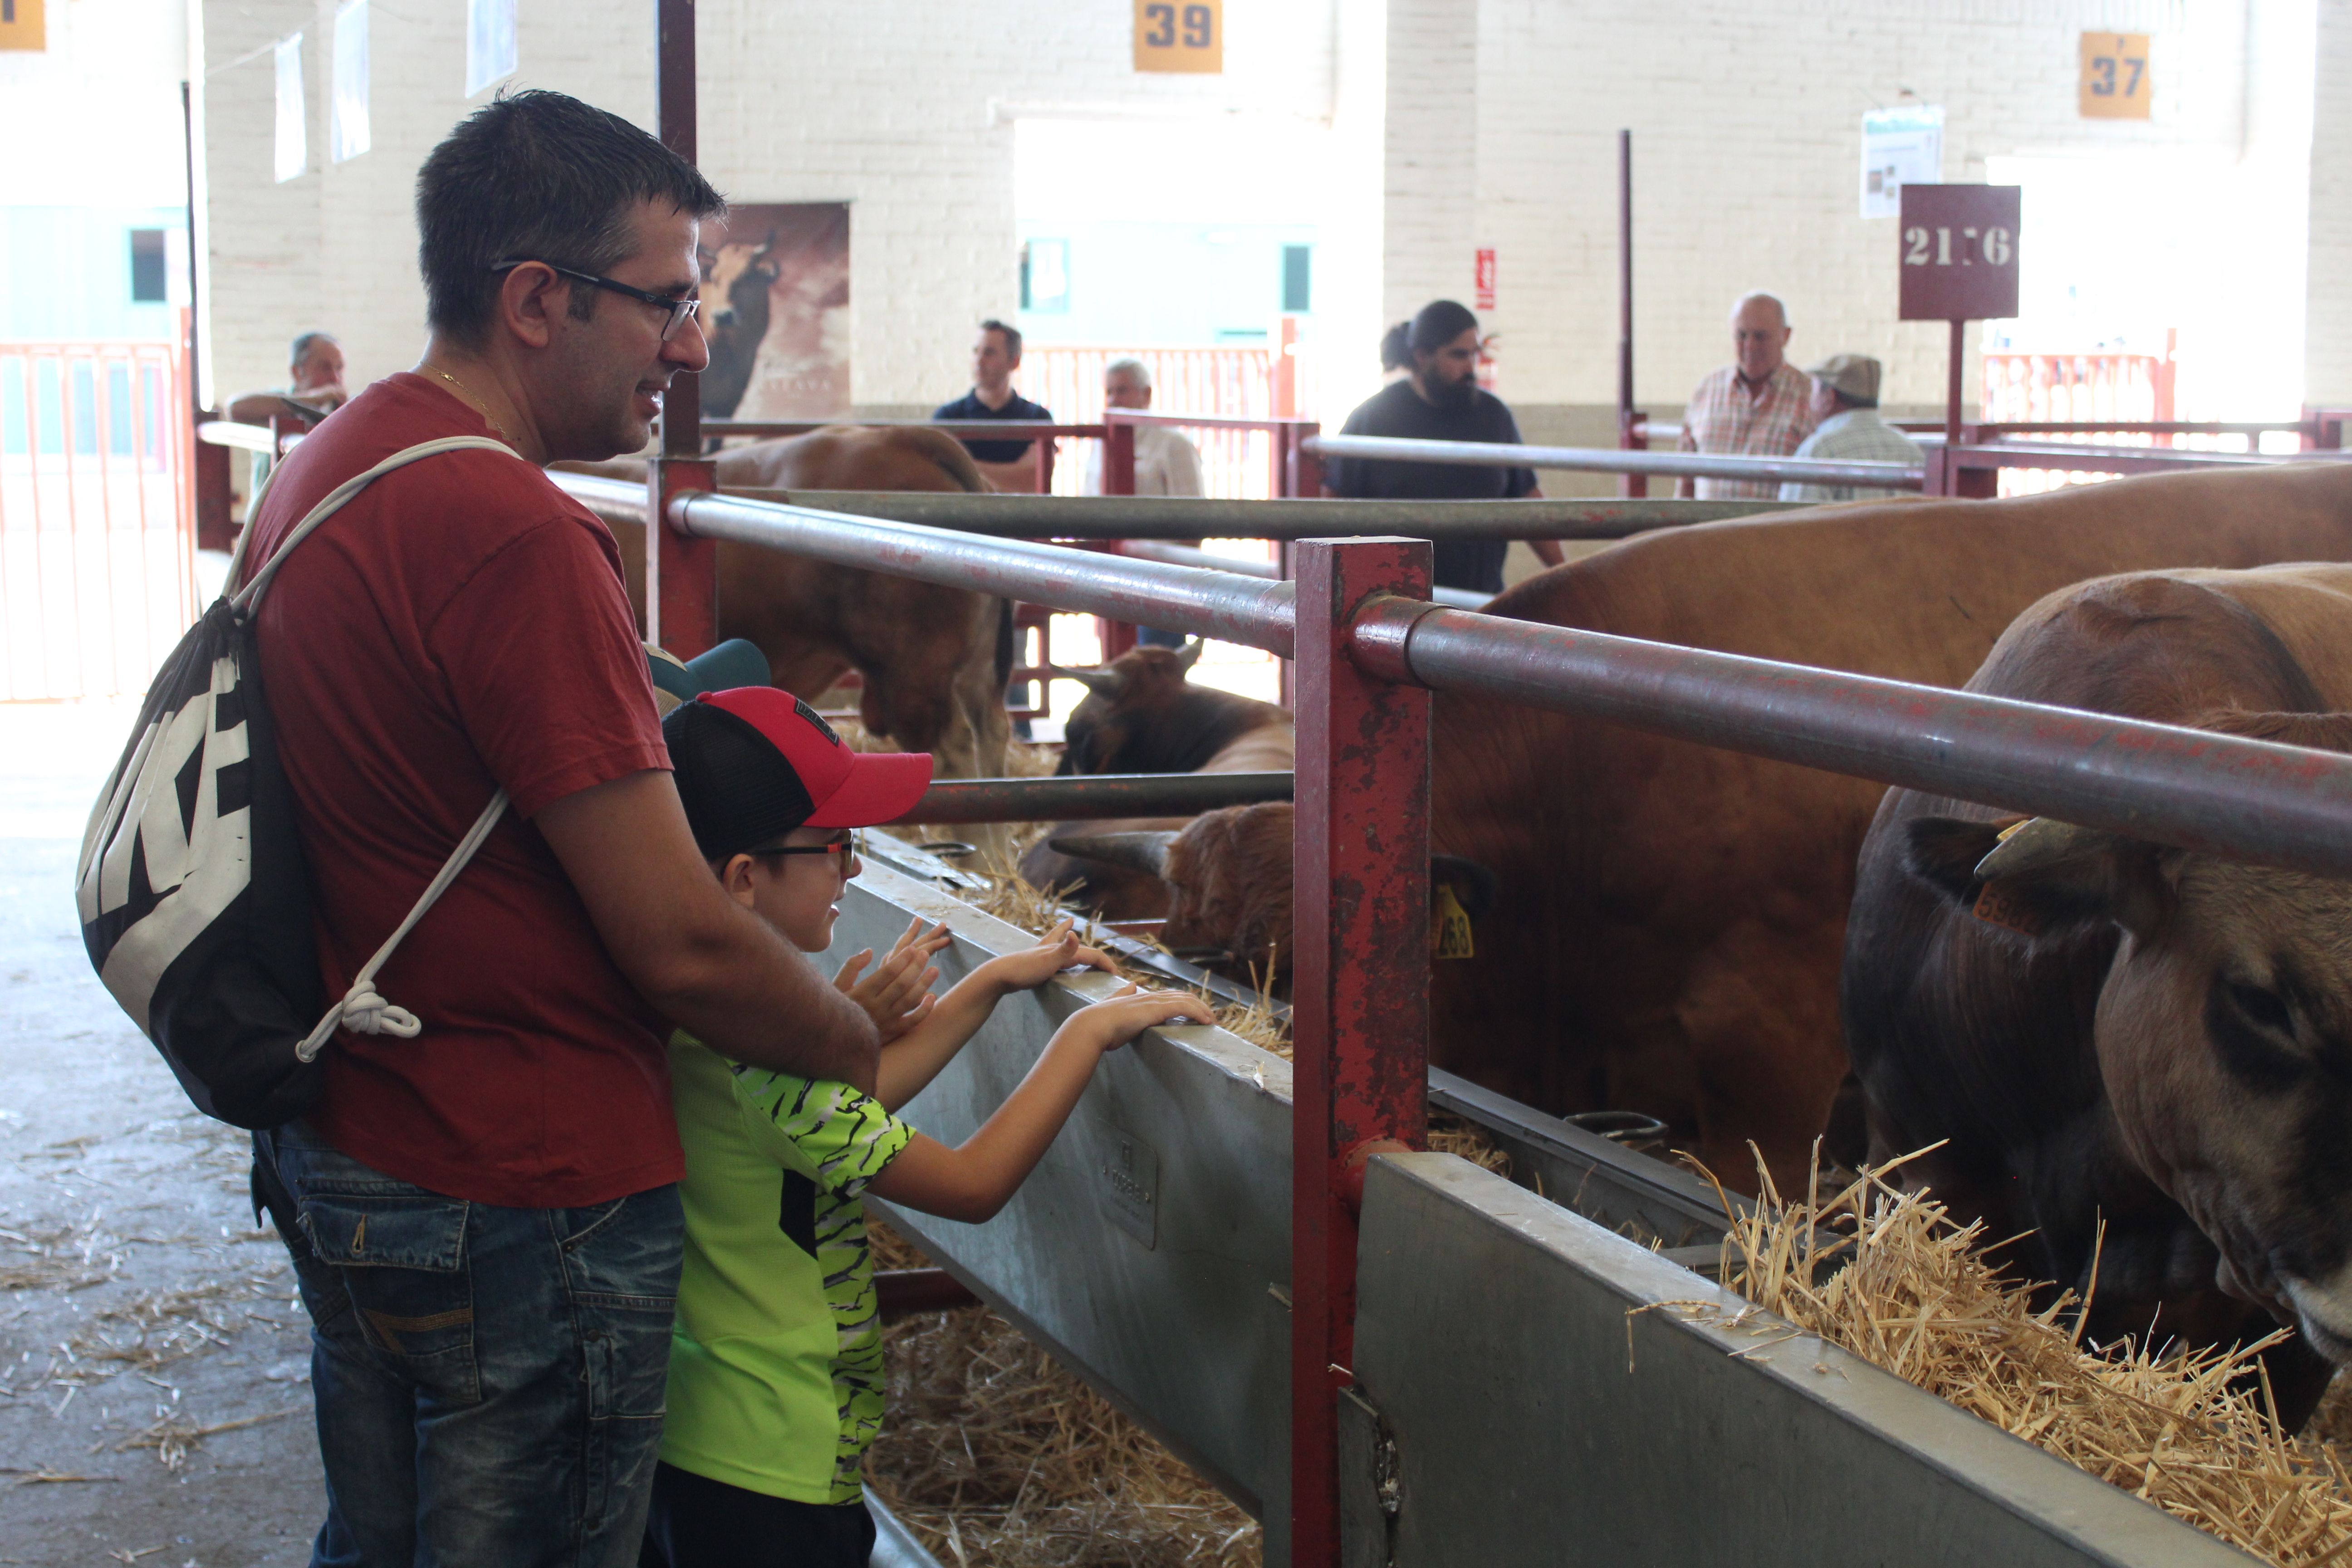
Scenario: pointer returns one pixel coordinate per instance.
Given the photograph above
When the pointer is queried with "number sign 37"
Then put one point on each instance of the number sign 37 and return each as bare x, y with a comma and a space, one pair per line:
2115, 77
1179, 36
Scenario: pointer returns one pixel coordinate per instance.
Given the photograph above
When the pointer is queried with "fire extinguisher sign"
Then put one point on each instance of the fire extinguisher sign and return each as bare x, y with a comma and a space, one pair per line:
1482, 279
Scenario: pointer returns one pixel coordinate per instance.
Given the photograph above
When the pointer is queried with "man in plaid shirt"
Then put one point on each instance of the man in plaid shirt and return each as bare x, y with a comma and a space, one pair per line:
1762, 406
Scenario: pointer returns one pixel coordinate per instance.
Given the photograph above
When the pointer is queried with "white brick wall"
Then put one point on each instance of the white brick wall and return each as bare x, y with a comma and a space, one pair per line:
1455, 124
2328, 359
1747, 129
903, 109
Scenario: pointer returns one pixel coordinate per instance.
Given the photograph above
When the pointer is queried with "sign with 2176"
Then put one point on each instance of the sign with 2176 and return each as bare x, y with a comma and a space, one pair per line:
1958, 254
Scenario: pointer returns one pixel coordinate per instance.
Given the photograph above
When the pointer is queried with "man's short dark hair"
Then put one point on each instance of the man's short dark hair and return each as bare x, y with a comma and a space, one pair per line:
537, 176
1012, 335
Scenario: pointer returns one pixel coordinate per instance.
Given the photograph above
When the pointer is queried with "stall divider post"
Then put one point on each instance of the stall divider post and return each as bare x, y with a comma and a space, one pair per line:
681, 571
1360, 1006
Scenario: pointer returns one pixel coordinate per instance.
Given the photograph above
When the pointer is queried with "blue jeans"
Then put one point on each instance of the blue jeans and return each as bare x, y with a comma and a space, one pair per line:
488, 1380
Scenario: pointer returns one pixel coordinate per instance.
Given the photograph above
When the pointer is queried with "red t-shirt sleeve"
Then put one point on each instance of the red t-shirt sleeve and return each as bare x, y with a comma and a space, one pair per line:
540, 653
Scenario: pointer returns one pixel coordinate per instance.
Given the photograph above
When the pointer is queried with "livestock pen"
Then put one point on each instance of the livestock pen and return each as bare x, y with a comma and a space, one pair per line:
1390, 1355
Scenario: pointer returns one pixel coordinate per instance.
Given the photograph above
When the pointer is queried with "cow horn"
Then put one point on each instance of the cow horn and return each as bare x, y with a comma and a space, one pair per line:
2038, 842
1145, 852
1190, 654
1101, 682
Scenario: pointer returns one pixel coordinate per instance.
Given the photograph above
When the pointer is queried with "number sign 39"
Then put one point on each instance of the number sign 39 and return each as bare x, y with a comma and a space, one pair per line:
1179, 36
1958, 254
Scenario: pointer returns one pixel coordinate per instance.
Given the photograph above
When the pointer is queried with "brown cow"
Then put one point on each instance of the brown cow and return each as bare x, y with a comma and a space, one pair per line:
2153, 1040
1670, 917
1226, 880
934, 660
1141, 714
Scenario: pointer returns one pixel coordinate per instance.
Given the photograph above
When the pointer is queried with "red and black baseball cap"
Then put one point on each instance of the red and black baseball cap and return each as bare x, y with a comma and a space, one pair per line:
755, 762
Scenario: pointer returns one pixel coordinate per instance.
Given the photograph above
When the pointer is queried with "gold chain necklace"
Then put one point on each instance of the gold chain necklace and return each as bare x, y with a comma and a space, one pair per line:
474, 398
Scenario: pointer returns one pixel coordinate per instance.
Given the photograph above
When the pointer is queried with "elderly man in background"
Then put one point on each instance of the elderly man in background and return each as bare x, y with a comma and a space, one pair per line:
1849, 430
1166, 461
1441, 400
995, 355
1761, 406
313, 389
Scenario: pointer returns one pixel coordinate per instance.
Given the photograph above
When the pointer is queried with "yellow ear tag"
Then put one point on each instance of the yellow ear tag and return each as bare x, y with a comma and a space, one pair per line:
1449, 925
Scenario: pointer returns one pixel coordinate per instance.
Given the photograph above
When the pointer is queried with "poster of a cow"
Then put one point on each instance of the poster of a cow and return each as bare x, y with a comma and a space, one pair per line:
775, 307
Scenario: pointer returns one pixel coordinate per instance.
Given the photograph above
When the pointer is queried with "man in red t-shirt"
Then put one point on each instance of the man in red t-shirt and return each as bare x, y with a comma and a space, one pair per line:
484, 1218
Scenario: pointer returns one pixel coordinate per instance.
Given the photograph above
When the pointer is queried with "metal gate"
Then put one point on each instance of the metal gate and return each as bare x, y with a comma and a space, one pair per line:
96, 537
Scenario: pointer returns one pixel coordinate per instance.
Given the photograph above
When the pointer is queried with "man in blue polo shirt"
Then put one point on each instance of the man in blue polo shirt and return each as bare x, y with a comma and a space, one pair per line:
994, 357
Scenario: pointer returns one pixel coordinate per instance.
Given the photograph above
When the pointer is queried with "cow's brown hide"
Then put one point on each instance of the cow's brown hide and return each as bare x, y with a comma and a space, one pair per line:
934, 660
1670, 917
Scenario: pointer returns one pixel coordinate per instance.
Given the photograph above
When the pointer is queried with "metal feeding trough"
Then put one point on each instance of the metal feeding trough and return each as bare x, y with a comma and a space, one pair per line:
1511, 1404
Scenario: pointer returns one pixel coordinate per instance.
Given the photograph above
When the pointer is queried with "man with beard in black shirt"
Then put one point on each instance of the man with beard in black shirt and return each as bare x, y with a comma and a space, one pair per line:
1441, 400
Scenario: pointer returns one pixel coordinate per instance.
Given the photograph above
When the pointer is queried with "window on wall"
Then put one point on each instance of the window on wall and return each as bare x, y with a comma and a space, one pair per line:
293, 139
1046, 275
1298, 279
351, 136
147, 287
489, 43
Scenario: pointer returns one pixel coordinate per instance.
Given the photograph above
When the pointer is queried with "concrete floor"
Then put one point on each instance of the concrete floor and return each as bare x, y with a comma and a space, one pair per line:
142, 1318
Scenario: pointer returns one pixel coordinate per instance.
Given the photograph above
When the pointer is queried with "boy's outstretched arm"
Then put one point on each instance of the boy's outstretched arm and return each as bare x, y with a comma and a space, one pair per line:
914, 1058
972, 1183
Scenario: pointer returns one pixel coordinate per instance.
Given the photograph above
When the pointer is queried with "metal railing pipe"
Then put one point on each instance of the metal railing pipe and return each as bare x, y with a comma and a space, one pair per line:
1184, 555
230, 433
1617, 460
1190, 517
1093, 796
2250, 799
1222, 605
614, 501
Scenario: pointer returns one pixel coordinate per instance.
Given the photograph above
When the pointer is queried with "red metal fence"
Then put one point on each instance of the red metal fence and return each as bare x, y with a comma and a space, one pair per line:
1230, 383
97, 541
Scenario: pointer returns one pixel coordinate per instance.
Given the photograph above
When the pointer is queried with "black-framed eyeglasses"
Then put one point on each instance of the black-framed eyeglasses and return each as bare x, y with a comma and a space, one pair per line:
845, 847
680, 311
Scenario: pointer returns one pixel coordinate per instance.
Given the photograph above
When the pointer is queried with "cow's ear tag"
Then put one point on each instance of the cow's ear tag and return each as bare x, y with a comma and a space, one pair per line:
1449, 925
1995, 908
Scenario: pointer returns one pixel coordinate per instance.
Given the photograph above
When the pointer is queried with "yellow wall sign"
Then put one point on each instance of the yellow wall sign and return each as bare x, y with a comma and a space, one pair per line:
2115, 76
20, 25
1179, 36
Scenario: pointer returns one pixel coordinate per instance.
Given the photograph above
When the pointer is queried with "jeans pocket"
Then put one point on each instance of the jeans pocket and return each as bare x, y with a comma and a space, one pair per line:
401, 1260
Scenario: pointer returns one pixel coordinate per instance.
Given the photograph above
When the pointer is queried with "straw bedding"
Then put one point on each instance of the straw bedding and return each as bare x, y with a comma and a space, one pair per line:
1889, 1276
996, 1457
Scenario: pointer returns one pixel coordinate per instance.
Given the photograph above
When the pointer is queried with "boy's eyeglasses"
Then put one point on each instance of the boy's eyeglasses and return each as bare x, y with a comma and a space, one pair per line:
841, 849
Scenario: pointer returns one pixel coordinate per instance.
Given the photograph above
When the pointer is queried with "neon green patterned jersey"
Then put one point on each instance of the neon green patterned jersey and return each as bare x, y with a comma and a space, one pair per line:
775, 1361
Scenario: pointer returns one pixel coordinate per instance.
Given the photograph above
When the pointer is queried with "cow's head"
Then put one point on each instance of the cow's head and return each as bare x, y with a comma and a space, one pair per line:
1107, 731
1229, 881
2223, 1029
736, 265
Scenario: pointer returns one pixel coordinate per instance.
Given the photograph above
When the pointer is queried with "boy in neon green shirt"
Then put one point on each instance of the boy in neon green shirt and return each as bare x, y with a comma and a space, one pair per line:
775, 1378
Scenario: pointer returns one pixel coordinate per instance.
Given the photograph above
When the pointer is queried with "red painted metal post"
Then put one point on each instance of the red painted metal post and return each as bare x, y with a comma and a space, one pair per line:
1118, 459
1360, 1006
1633, 436
1952, 388
1306, 476
681, 574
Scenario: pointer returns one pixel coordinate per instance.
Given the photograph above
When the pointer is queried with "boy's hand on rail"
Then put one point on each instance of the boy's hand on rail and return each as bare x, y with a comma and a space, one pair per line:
897, 995
1032, 967
1120, 1017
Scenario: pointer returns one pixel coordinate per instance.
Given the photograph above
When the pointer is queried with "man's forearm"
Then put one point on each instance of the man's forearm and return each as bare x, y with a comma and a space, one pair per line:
810, 1029
711, 966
